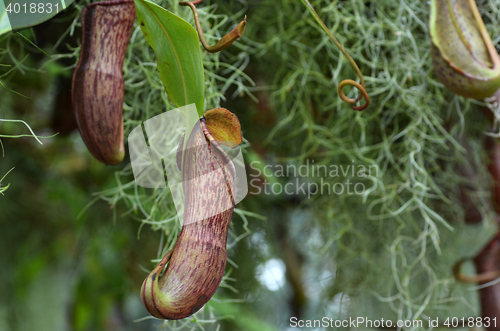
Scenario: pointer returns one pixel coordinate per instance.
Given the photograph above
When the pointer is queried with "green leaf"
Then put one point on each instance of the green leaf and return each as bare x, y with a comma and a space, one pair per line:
21, 16
178, 54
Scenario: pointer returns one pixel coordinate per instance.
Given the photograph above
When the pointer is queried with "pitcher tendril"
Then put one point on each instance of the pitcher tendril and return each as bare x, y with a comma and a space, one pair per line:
463, 55
225, 41
480, 278
360, 86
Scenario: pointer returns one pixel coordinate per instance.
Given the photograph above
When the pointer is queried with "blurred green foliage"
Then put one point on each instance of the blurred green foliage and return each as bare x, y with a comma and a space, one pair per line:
73, 261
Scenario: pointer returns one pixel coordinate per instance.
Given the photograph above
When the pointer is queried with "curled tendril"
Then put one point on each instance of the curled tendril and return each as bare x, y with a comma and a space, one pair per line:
227, 40
360, 86
481, 278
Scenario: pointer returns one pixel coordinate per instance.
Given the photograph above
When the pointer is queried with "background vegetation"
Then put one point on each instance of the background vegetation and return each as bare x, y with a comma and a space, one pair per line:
78, 237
